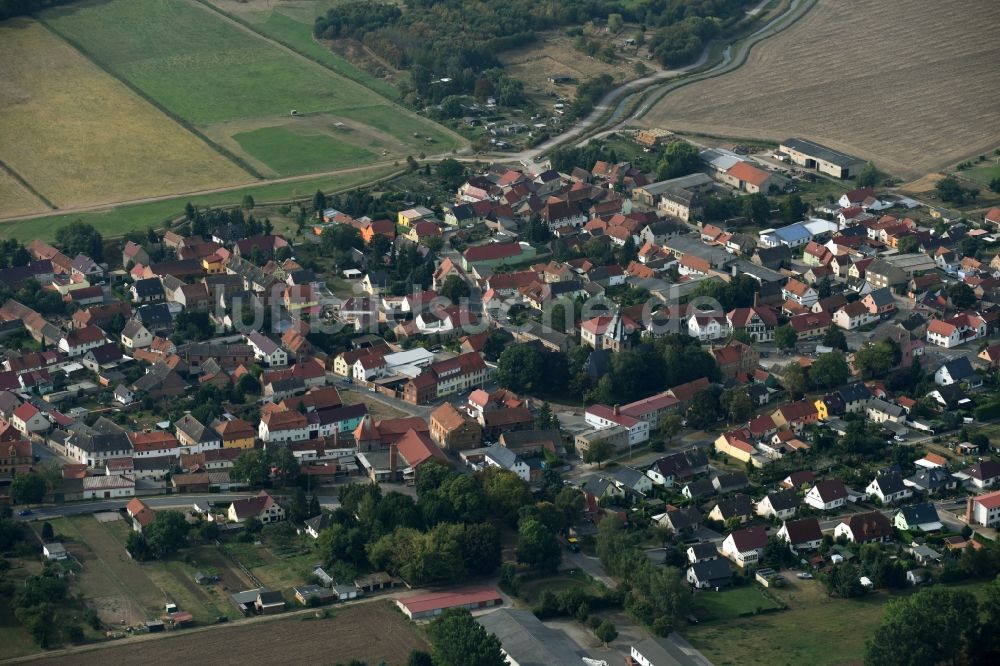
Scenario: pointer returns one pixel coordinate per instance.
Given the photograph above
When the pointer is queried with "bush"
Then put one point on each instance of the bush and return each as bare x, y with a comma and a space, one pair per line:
74, 633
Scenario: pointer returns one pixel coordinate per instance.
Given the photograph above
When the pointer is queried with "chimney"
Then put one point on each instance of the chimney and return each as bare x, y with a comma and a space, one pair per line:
617, 410
393, 452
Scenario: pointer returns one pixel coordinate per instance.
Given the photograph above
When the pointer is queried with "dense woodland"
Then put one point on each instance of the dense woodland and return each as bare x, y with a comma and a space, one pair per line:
450, 46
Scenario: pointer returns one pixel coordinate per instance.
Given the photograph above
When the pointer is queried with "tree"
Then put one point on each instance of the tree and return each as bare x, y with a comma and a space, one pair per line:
458, 640
537, 546
908, 244
598, 452
319, 202
737, 403
670, 425
166, 534
81, 238
606, 632
793, 378
835, 338
27, 489
757, 208
792, 208
247, 203
829, 370
454, 289
298, 511
505, 492
903, 637
876, 359
961, 295
615, 23
785, 336
47, 532
314, 508
545, 419
484, 89
252, 466
419, 658
628, 252
705, 408
679, 159
451, 173
845, 581
868, 176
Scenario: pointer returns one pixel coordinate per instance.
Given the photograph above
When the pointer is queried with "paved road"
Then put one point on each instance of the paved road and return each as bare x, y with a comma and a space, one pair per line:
155, 502
591, 565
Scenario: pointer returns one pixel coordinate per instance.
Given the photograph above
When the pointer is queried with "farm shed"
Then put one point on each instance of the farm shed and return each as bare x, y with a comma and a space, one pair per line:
825, 160
427, 606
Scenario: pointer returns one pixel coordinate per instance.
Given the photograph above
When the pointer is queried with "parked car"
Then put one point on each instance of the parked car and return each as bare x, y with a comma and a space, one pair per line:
573, 544
805, 575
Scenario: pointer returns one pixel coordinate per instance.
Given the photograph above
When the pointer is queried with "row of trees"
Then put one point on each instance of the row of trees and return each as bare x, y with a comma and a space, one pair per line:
657, 596
938, 625
448, 534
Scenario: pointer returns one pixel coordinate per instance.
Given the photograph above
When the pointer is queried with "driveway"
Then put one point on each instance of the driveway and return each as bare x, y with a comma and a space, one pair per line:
591, 565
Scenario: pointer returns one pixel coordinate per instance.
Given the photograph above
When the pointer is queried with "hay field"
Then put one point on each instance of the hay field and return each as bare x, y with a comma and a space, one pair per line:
371, 632
290, 22
15, 199
80, 137
908, 84
212, 71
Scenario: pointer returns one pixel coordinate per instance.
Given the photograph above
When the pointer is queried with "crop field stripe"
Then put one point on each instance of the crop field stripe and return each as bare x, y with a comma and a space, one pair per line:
350, 72
742, 56
26, 185
235, 159
115, 221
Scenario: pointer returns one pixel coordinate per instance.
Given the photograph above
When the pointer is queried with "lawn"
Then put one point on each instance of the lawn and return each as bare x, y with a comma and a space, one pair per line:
530, 589
731, 603
80, 137
403, 127
200, 66
290, 23
117, 221
984, 172
804, 634
290, 153
287, 572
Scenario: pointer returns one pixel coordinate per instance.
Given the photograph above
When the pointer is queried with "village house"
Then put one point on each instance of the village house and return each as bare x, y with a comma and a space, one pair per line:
984, 509
865, 528
827, 495
802, 534
781, 505
744, 547
263, 507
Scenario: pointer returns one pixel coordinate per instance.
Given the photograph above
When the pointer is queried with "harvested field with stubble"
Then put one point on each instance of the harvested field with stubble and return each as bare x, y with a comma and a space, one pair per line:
371, 632
80, 137
908, 84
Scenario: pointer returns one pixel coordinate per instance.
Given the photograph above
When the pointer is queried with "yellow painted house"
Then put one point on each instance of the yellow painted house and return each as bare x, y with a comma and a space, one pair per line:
734, 445
407, 217
213, 264
236, 434
821, 409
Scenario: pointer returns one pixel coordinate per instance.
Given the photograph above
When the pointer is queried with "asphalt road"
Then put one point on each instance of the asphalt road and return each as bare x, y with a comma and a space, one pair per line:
154, 502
